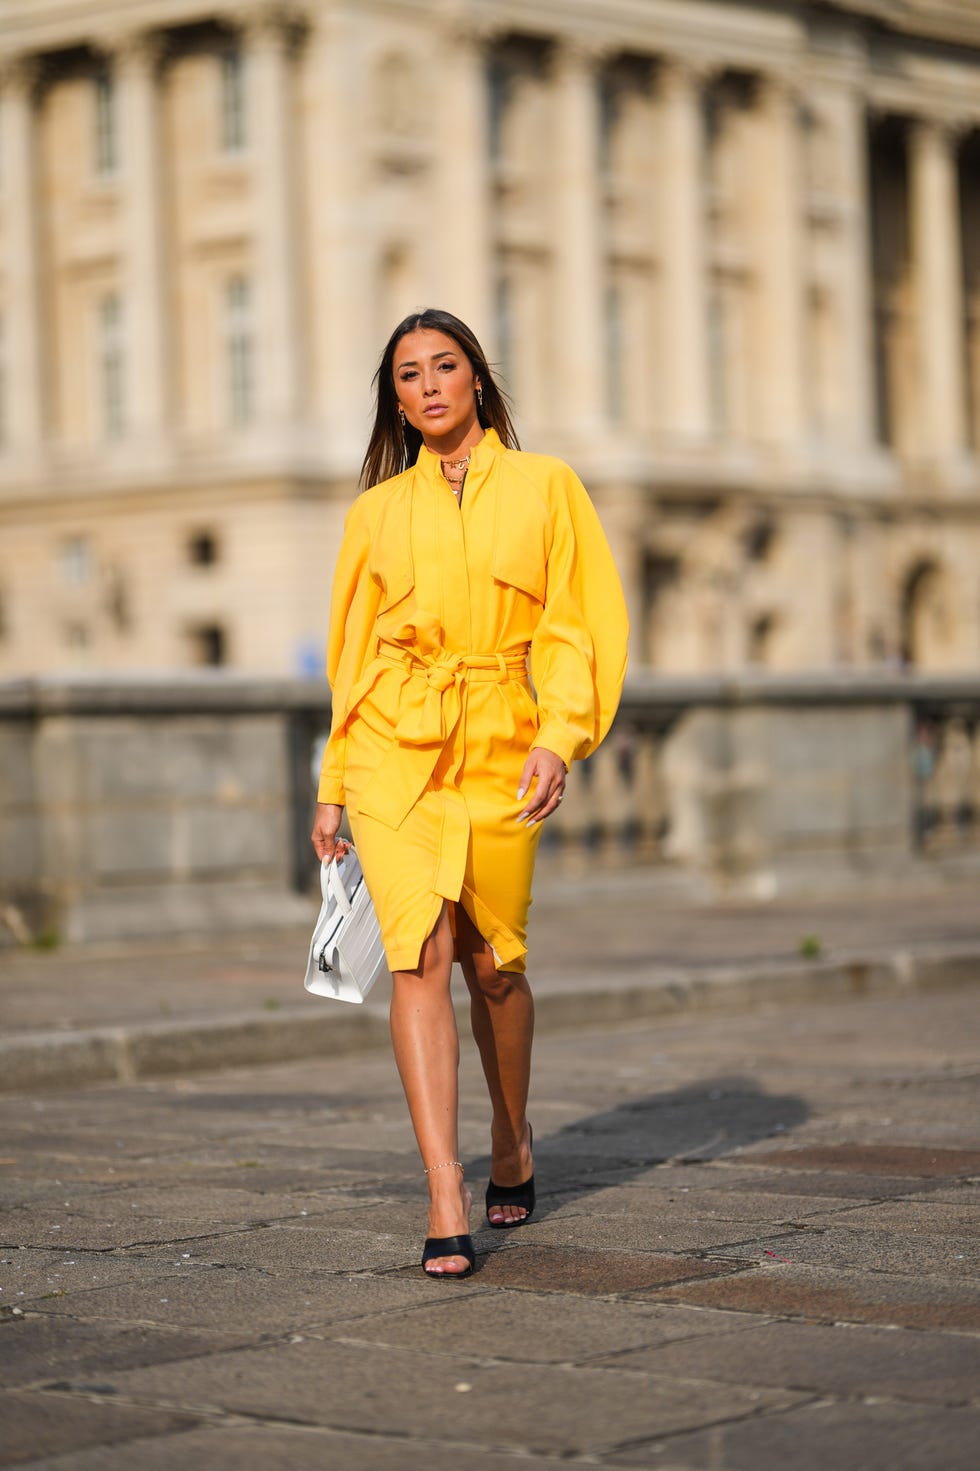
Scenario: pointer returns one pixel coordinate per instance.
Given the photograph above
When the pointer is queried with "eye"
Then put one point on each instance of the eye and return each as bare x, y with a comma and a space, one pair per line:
449, 367
407, 375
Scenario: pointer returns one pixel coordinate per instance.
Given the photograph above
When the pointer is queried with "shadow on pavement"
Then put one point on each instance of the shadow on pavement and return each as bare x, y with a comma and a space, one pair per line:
709, 1120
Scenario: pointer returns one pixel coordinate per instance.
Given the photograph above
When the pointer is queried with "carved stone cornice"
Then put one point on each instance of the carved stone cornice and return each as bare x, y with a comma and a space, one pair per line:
22, 73
694, 73
582, 53
280, 21
142, 49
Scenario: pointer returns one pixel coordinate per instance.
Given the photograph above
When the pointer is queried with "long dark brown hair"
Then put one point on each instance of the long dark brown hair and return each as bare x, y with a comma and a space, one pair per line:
394, 446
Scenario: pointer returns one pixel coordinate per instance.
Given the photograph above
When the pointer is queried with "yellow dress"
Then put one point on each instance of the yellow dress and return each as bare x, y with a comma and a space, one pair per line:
439, 612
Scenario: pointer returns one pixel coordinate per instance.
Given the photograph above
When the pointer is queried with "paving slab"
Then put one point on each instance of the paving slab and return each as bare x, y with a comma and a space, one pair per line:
535, 1328
647, 1231
28, 1273
841, 1359
595, 1273
924, 1254
349, 1387
727, 1201
877, 1158
41, 1425
835, 1295
817, 1437
821, 1184
242, 1302
39, 1349
928, 1217
237, 1447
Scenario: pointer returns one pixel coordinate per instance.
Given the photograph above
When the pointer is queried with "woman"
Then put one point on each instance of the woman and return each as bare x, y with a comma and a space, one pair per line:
465, 563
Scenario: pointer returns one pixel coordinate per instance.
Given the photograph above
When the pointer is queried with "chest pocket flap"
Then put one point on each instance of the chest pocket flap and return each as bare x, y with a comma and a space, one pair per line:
522, 537
390, 561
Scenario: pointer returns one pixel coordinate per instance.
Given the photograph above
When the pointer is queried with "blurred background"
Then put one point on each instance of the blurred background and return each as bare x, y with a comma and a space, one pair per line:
726, 256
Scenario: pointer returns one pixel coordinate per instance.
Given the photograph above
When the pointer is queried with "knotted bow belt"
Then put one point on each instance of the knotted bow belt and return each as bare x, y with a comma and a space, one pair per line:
426, 723
432, 720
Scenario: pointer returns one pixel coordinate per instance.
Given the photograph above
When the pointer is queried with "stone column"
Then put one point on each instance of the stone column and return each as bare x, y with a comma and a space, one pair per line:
580, 356
623, 511
683, 299
342, 267
136, 62
466, 272
776, 191
267, 41
855, 326
24, 352
938, 275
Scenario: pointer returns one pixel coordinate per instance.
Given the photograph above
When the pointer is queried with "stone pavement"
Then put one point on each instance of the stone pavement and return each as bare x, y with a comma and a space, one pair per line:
79, 1015
755, 1250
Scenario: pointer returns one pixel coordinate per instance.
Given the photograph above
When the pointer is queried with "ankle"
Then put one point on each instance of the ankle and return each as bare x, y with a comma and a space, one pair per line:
447, 1164
505, 1142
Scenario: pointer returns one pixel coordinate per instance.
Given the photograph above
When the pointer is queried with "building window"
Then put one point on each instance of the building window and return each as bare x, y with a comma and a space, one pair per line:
761, 634
75, 561
615, 384
505, 330
233, 115
78, 636
498, 97
609, 118
208, 645
106, 129
111, 365
202, 549
240, 350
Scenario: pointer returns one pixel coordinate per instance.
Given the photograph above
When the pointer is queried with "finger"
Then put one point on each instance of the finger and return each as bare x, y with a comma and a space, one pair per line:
527, 775
551, 807
324, 843
545, 803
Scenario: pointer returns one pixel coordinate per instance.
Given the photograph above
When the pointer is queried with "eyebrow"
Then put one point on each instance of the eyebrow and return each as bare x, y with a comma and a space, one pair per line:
411, 363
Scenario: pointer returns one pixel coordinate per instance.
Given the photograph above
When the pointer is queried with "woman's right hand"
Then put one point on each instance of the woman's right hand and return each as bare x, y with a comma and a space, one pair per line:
326, 825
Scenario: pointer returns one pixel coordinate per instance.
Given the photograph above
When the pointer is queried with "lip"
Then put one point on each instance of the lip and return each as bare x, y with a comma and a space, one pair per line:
435, 409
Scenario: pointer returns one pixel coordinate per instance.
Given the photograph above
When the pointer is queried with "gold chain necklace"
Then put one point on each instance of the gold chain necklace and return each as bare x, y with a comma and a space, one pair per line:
456, 482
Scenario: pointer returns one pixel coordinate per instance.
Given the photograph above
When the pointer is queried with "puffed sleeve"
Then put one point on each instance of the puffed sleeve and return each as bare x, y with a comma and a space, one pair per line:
353, 606
579, 647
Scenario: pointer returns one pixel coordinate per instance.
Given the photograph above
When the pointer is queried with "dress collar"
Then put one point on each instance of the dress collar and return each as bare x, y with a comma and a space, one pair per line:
482, 456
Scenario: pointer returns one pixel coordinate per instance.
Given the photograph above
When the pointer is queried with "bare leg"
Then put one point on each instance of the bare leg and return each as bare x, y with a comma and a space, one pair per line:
502, 1017
426, 1045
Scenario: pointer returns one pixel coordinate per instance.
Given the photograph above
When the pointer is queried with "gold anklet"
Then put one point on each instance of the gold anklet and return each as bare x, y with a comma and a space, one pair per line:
446, 1164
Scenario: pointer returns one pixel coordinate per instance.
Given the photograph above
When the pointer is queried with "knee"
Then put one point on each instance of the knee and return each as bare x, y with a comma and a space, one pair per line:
484, 979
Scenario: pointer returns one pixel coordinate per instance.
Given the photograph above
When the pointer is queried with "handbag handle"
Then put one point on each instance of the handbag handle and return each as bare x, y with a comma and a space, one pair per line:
332, 883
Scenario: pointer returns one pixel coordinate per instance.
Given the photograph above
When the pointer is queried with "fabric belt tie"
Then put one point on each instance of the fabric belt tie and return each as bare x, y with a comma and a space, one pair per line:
429, 715
434, 717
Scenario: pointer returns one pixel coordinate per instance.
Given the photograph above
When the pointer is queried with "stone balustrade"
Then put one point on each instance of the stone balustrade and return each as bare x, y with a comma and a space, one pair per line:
182, 805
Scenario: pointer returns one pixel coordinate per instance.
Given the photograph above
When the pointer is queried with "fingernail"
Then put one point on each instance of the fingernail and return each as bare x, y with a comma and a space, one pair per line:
520, 792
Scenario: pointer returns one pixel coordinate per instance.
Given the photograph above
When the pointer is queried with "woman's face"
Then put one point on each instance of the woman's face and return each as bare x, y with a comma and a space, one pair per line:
436, 385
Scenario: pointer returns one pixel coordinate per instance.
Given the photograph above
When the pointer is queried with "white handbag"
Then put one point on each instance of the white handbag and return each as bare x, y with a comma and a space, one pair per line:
346, 953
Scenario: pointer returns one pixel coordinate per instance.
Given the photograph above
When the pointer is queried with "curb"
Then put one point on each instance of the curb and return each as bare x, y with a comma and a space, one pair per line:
47, 1061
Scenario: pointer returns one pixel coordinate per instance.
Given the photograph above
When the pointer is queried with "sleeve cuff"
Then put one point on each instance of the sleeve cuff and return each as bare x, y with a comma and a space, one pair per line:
555, 736
331, 789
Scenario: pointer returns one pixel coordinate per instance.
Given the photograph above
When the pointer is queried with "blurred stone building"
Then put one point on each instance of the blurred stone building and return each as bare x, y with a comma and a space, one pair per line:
726, 254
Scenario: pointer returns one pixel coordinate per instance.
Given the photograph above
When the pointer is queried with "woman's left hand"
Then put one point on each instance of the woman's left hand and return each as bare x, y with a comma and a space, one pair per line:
547, 773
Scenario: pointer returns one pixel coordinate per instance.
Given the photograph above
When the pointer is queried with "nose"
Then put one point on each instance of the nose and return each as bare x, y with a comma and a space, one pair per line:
430, 388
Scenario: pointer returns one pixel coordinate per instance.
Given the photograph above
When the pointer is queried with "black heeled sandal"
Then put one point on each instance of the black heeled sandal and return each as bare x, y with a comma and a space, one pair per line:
436, 1246
519, 1195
